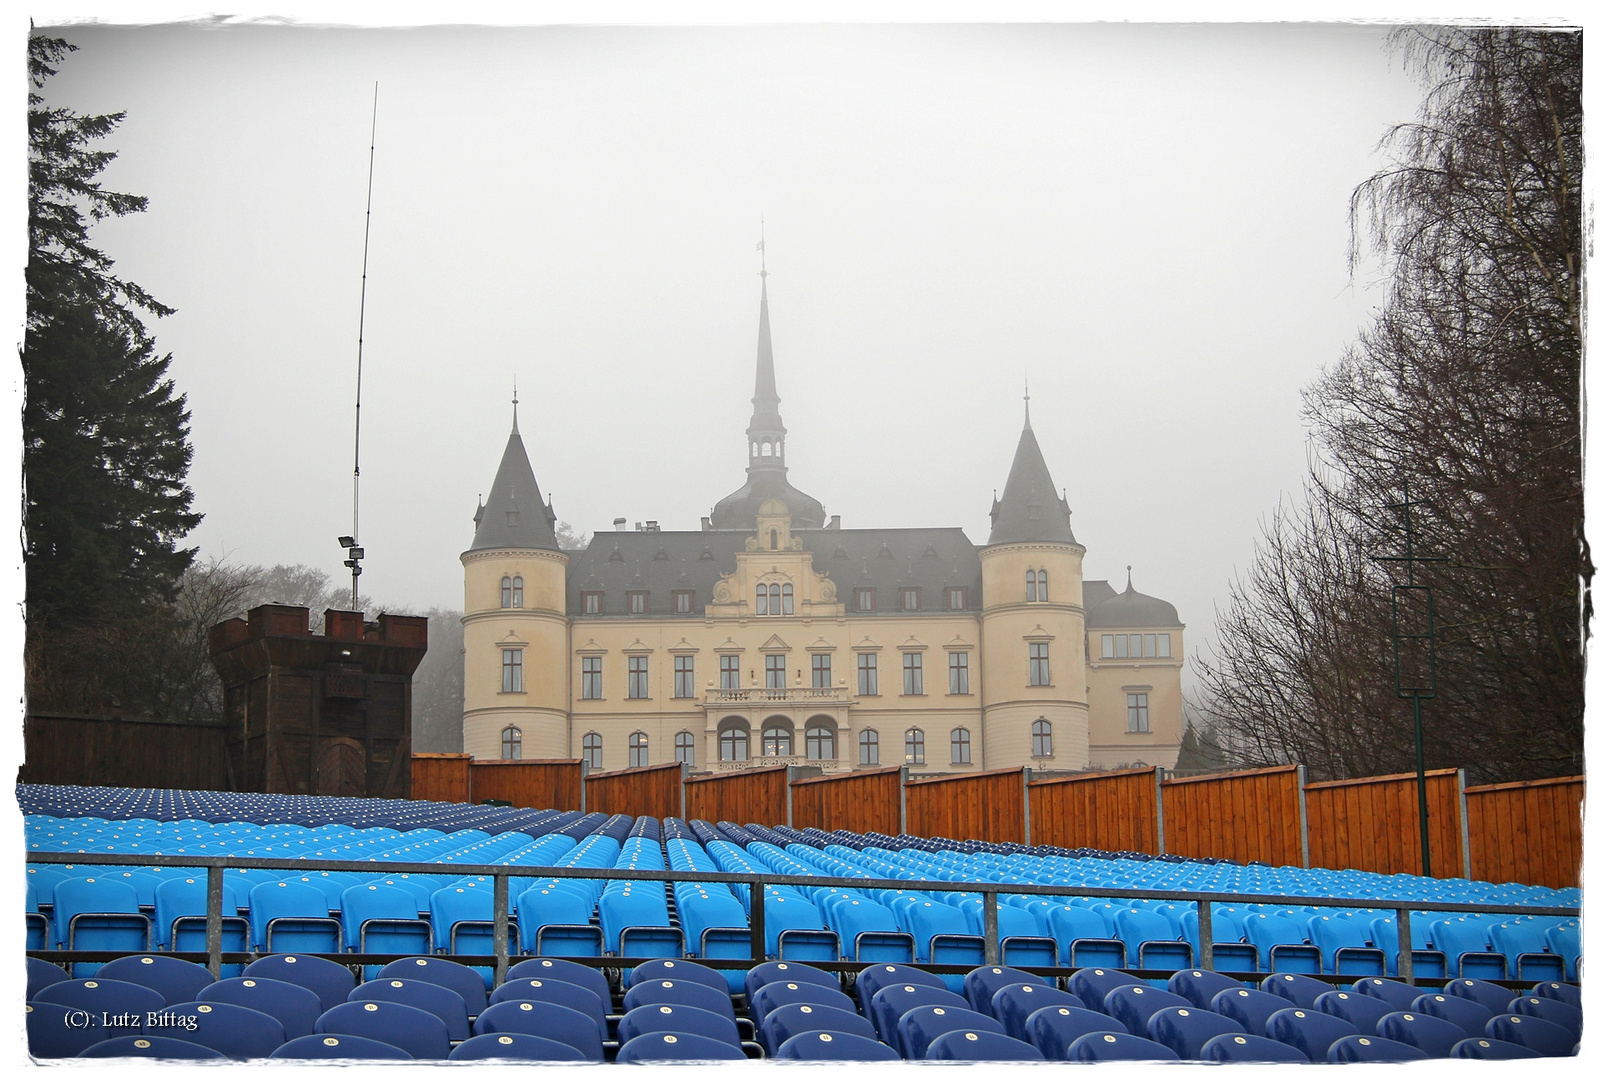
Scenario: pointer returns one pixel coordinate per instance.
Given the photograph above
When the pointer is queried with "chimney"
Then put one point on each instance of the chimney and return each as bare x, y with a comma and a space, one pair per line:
619, 524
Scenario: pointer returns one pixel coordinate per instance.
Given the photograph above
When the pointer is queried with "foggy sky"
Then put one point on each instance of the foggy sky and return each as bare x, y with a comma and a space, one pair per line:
1147, 223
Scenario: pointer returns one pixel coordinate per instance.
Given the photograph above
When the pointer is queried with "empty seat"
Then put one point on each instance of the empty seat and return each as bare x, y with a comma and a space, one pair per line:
918, 1027
980, 984
892, 1002
1226, 1048
874, 978
97, 996
834, 1046
160, 1047
1373, 1048
1054, 1029
295, 1007
513, 1047
1200, 986
1185, 1031
786, 971
1118, 1046
1251, 1009
1358, 1010
1094, 984
786, 1021
682, 970
679, 992
292, 916
465, 981
1523, 942
1398, 995
569, 995
678, 1019
1013, 1004
1466, 1013
1133, 1006
1151, 940
552, 967
1533, 1033
1553, 1011
51, 1034
1309, 1031
339, 1048
1345, 947
237, 1033
664, 1046
177, 981
980, 1046
1432, 1035
1298, 990
438, 1001
1492, 1050
422, 1035
377, 918
1493, 997
544, 1019
329, 980
1467, 945
1557, 991
42, 973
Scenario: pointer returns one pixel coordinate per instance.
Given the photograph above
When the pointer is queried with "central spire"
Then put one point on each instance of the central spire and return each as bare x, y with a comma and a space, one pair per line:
767, 419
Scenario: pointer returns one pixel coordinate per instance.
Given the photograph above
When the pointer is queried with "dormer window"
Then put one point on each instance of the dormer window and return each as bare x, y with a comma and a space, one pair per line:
683, 601
773, 599
636, 603
592, 603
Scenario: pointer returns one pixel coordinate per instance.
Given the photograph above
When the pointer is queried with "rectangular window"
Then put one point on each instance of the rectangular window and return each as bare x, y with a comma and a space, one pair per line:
684, 682
1122, 647
867, 662
1038, 663
957, 598
731, 676
909, 599
636, 685
1150, 644
636, 603
592, 603
1138, 712
592, 677
776, 672
1108, 647
865, 599
1164, 645
821, 671
513, 671
959, 673
1136, 645
912, 673
683, 601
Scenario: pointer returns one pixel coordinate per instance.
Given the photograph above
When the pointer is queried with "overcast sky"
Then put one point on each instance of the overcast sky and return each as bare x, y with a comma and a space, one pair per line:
1148, 223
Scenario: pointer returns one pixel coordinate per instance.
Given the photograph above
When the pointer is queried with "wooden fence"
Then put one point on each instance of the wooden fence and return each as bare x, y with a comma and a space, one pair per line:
988, 806
652, 791
1247, 816
442, 777
542, 785
116, 751
758, 795
1528, 832
1112, 811
870, 800
1372, 823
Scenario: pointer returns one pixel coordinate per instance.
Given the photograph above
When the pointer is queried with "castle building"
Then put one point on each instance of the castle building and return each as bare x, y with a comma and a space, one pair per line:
773, 635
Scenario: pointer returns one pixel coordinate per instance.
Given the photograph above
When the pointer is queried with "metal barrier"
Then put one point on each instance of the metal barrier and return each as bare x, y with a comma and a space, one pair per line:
215, 866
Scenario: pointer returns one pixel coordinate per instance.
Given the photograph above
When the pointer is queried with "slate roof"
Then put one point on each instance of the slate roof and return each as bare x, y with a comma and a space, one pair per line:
1105, 608
615, 563
1030, 509
515, 515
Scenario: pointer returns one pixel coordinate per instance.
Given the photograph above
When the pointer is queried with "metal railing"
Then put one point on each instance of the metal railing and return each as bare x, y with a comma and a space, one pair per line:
215, 866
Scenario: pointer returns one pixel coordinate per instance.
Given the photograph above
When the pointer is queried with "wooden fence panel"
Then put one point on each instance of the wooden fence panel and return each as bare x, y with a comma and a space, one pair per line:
1371, 823
544, 785
863, 801
1528, 832
1254, 815
977, 806
1113, 811
753, 795
441, 777
127, 752
653, 791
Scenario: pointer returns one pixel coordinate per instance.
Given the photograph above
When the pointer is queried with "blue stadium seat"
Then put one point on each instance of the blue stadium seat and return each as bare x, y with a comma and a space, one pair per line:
1055, 1028
1493, 997
980, 985
152, 1046
1344, 946
1309, 1031
874, 978
51, 1034
1093, 984
378, 918
834, 1046
295, 1007
678, 1019
570, 995
681, 970
513, 1047
1466, 1013
177, 981
1185, 1031
339, 1048
1013, 1004
466, 981
892, 1002
1199, 987
1557, 991
439, 1001
663, 1046
1467, 945
1565, 941
1251, 1009
99, 913
1373, 1048
1398, 995
1282, 943
1133, 1006
422, 1035
1492, 1050
1150, 939
97, 996
980, 1046
1120, 1046
785, 971
1359, 1010
1227, 1048
292, 916
552, 967
1554, 1012
1089, 941
774, 995
1524, 944
329, 980
785, 1021
679, 992
917, 1028
237, 1033
1432, 1035
1298, 990
42, 973
1533, 1033
180, 923
544, 1019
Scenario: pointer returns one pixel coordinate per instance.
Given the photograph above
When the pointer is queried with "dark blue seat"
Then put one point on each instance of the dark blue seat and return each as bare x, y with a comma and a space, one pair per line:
54, 1033
511, 1047
1133, 1006
1055, 1028
785, 1021
678, 1019
568, 994
543, 1019
466, 981
917, 1028
552, 967
1227, 1048
980, 1046
980, 985
422, 1035
438, 1001
1186, 1030
1093, 984
892, 1002
1533, 1033
152, 1046
1359, 1010
1469, 1015
1432, 1035
1249, 1008
337, 1048
1493, 997
177, 981
680, 992
1373, 1048
97, 996
1298, 990
834, 1046
664, 1046
1567, 993
42, 973
1309, 1031
295, 1007
679, 970
1398, 995
1118, 1046
786, 971
329, 980
237, 1033
1013, 1004
1552, 1011
1492, 1050
1199, 986
773, 995
874, 978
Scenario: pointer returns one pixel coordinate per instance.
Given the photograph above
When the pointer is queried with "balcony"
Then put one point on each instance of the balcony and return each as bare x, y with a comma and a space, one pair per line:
756, 695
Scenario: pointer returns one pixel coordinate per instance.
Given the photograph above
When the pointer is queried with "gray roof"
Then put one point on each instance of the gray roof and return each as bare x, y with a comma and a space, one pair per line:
885, 560
515, 515
1105, 608
1030, 509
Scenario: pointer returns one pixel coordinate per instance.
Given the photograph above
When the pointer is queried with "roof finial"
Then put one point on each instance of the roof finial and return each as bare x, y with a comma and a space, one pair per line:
516, 405
1027, 412
760, 247
1130, 578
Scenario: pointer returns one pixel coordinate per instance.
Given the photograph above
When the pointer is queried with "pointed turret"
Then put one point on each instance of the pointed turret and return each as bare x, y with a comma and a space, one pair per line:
514, 514
1030, 509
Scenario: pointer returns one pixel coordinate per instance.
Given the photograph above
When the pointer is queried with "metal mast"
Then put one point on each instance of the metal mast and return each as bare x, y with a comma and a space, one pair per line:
354, 553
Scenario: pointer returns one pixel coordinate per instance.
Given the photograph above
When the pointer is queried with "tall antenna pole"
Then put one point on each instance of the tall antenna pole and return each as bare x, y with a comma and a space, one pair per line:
350, 543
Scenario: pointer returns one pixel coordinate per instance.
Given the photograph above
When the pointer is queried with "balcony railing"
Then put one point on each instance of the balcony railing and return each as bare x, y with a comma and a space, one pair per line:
780, 693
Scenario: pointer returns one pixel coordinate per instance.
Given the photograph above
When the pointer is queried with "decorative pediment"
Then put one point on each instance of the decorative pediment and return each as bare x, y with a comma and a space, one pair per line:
637, 648
822, 645
865, 644
910, 644
683, 646
774, 643
511, 638
728, 646
1038, 633
959, 644
591, 648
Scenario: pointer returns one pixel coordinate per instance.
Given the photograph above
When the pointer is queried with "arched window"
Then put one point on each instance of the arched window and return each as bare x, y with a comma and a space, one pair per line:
519, 591
684, 748
773, 539
915, 747
638, 749
507, 591
960, 747
868, 748
1044, 586
787, 599
1032, 586
775, 599
734, 740
778, 738
820, 741
764, 449
512, 743
760, 605
592, 750
1042, 747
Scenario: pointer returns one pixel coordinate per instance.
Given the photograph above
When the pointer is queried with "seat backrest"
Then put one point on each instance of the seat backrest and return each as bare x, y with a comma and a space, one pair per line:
679, 992
551, 967
981, 984
1249, 1048
871, 979
284, 900
98, 996
42, 973
1432, 1035
1542, 1036
776, 994
1554, 1012
466, 981
1012, 1004
918, 1027
360, 903
1493, 997
834, 1046
676, 1019
1298, 990
514, 1047
1398, 995
1467, 1014
545, 1019
570, 995
892, 1002
1118, 1046
664, 1046
1055, 1028
786, 971
1093, 984
438, 1001
422, 1035
980, 1046
1349, 1048
176, 980
295, 1007
785, 1021
1200, 986
338, 1047
160, 1047
1133, 1006
53, 1034
1309, 1031
329, 980
682, 970
1185, 1031
234, 1031
90, 895
1360, 1010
